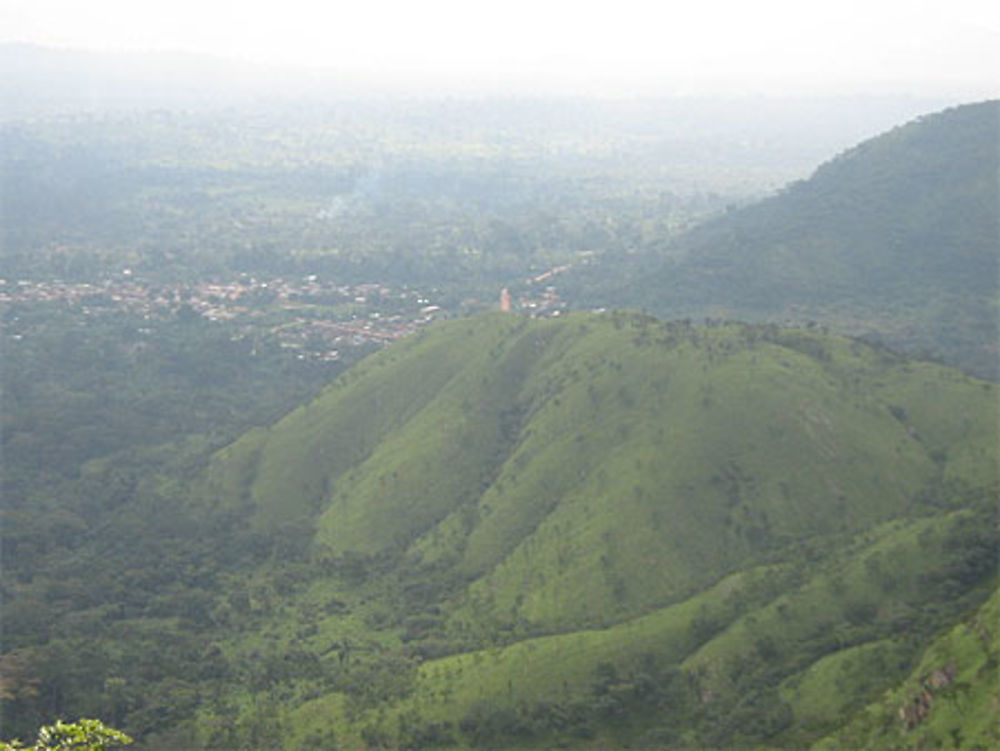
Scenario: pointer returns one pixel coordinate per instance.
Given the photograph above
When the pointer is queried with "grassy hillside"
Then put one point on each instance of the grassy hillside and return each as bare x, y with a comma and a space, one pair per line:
896, 236
541, 458
526, 531
949, 700
767, 653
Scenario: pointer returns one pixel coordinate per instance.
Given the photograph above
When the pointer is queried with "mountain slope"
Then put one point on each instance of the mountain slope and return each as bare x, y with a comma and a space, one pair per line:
506, 448
525, 505
899, 235
951, 697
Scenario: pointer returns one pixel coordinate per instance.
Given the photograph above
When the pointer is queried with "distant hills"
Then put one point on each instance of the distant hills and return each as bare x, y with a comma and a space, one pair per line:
897, 237
564, 511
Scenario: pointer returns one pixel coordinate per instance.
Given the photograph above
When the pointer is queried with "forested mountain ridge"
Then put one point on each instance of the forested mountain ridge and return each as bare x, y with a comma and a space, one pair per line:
549, 505
897, 237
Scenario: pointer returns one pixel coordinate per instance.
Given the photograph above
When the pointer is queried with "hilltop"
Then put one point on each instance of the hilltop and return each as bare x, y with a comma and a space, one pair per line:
601, 529
896, 237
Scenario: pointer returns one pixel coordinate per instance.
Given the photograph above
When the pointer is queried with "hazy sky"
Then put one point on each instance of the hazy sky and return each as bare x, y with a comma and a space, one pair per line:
898, 46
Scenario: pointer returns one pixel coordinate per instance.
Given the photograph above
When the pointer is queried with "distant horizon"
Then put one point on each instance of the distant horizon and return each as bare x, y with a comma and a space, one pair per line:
717, 48
250, 74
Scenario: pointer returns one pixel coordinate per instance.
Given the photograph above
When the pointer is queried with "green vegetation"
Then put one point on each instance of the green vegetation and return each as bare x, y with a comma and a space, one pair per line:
895, 238
84, 385
83, 735
949, 700
587, 530
464, 196
596, 530
497, 468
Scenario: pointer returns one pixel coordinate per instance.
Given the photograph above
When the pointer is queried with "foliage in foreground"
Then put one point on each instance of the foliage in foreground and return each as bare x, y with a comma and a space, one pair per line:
82, 735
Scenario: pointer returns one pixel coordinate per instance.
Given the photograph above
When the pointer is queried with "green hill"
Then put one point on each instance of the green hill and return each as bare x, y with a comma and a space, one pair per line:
606, 530
898, 236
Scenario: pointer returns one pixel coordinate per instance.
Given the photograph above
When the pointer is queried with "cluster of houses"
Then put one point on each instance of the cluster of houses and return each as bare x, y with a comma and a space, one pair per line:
315, 317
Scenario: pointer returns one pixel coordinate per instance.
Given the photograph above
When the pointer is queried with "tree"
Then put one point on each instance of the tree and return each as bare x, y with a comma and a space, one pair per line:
83, 735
